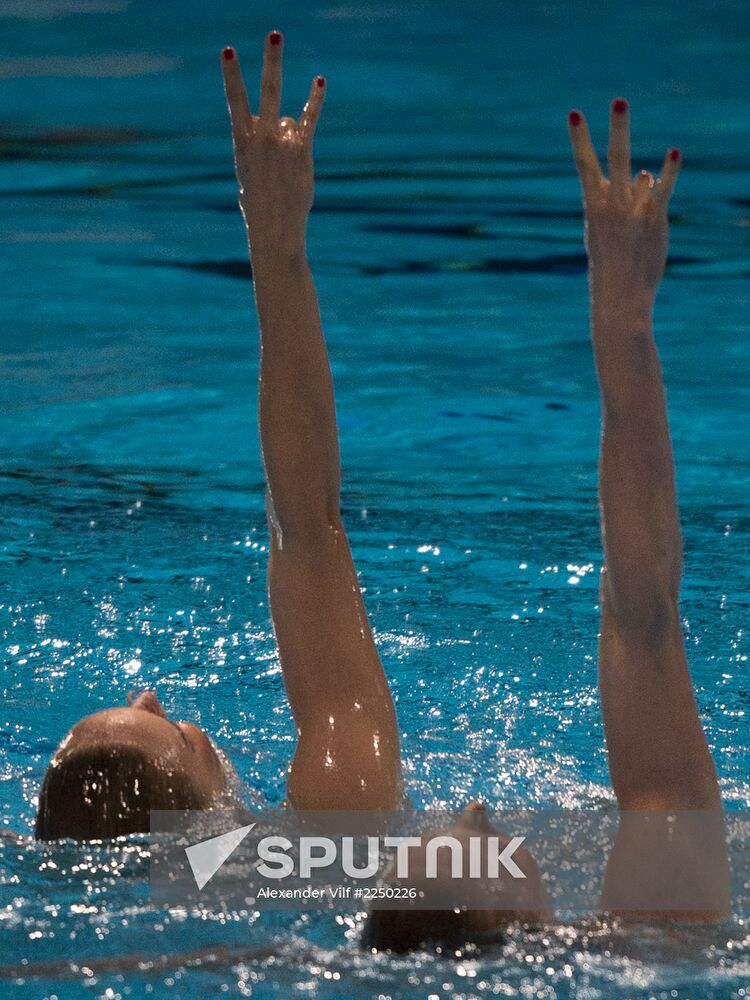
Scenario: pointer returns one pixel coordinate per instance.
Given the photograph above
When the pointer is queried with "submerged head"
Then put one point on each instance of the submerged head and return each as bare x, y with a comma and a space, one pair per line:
115, 766
457, 911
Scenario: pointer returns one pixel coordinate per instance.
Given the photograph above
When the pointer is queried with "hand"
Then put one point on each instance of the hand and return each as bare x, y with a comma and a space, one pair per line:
272, 155
625, 220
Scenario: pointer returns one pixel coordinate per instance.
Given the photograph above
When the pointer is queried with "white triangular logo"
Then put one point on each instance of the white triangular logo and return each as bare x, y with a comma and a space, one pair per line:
207, 857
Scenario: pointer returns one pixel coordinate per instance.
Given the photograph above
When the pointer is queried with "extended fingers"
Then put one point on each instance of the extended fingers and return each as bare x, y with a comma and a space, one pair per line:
587, 162
311, 111
618, 154
270, 81
234, 87
669, 172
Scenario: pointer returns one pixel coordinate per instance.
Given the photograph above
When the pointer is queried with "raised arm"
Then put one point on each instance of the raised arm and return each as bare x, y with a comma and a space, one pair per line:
626, 237
657, 751
348, 752
669, 859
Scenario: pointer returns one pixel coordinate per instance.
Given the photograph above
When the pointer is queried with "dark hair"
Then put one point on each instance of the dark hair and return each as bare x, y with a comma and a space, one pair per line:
410, 929
101, 792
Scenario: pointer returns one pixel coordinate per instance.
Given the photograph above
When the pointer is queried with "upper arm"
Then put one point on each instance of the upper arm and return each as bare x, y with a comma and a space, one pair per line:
669, 858
658, 755
668, 865
327, 651
348, 755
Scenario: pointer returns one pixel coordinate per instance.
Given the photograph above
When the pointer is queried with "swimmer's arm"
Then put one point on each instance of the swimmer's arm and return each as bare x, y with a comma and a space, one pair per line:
297, 414
658, 754
639, 516
660, 763
274, 165
627, 246
325, 641
657, 750
331, 667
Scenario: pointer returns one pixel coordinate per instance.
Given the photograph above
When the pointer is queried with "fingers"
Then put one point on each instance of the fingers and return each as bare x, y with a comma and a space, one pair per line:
642, 187
618, 154
311, 111
669, 172
270, 81
587, 162
234, 87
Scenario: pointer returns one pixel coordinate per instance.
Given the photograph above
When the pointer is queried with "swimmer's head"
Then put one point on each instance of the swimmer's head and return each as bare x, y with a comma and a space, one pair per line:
115, 766
469, 911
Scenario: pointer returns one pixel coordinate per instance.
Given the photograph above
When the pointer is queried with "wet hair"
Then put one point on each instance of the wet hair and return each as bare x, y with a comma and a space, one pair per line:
101, 792
410, 929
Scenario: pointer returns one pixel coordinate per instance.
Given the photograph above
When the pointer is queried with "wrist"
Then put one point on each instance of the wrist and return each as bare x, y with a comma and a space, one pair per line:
274, 236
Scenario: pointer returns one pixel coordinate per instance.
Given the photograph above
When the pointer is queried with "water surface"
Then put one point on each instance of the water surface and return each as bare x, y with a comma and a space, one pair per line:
446, 244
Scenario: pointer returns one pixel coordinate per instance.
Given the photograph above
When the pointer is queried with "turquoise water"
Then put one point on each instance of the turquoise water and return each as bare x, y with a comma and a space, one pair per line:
446, 243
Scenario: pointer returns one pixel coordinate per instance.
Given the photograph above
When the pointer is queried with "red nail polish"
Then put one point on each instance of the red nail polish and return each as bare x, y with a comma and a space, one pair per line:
321, 81
574, 118
275, 38
620, 106
228, 52
674, 154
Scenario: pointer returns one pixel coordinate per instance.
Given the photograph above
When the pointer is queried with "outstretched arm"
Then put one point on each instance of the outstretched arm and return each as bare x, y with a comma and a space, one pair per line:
669, 859
348, 752
657, 751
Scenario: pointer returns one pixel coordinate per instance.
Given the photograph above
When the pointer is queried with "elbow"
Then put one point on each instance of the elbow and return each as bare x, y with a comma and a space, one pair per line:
659, 621
647, 616
313, 522
650, 623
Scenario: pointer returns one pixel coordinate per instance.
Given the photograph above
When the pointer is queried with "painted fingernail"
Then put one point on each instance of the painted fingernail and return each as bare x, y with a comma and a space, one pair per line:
620, 106
275, 38
674, 155
320, 80
228, 52
574, 118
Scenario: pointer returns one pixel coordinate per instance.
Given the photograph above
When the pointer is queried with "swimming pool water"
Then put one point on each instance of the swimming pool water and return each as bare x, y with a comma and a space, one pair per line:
446, 245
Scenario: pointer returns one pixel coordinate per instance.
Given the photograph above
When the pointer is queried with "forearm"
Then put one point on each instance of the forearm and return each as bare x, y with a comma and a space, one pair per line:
640, 521
298, 432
